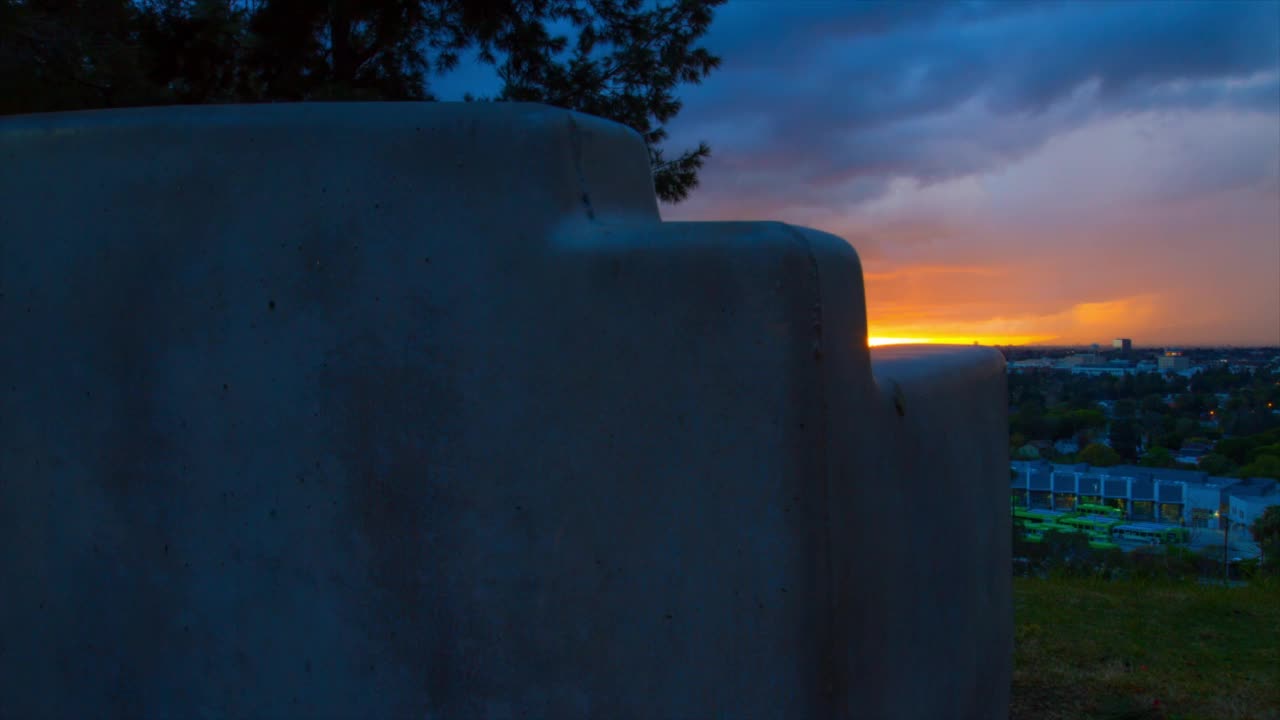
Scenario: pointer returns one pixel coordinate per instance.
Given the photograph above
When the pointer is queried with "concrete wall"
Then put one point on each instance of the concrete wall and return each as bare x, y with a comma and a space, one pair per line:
418, 410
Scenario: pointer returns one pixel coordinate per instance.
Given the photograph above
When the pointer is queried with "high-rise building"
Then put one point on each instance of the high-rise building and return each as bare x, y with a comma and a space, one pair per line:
1123, 344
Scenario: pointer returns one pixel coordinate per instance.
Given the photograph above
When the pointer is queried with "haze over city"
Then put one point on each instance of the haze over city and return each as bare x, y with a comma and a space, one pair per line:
1012, 173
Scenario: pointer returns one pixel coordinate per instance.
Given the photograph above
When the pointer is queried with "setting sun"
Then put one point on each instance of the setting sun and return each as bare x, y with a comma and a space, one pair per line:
879, 340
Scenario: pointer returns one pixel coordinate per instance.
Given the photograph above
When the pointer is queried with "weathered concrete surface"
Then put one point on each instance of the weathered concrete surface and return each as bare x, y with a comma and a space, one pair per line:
411, 410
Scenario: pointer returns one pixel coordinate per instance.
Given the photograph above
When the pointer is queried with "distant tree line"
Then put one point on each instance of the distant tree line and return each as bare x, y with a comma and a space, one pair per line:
1150, 417
618, 59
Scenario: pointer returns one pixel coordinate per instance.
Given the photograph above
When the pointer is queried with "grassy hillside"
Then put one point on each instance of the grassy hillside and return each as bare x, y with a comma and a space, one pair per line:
1133, 649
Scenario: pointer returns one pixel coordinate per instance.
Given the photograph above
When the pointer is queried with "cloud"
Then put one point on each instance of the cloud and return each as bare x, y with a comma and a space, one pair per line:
827, 94
1052, 169
1031, 170
992, 323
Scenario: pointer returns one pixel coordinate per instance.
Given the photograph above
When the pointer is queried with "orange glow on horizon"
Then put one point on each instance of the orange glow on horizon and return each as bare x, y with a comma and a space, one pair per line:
878, 341
881, 340
931, 304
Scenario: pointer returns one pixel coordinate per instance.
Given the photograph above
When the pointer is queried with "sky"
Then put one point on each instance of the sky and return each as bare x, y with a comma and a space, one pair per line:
1010, 172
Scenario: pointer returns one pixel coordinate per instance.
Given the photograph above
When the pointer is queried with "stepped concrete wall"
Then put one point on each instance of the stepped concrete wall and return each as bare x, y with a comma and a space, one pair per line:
419, 410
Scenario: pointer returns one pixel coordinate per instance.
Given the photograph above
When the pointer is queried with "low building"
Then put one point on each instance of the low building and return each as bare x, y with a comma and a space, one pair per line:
1066, 447
1180, 497
1122, 344
1192, 453
1206, 500
1112, 368
1173, 362
1071, 361
1032, 365
1250, 498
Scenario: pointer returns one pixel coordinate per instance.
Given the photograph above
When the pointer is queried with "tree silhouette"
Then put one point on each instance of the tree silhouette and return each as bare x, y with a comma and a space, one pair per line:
618, 59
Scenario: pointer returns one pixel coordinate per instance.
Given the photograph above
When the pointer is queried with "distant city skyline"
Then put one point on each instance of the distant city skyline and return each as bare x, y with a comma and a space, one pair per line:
1149, 347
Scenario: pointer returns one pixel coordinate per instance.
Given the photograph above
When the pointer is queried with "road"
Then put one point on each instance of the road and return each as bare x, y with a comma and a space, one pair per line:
1241, 545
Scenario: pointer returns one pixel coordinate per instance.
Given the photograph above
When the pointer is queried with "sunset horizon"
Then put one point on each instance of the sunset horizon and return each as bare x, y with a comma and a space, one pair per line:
1013, 174
883, 341
640, 358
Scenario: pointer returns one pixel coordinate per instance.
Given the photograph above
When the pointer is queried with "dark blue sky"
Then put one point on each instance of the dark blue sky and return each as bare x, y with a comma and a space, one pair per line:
1064, 170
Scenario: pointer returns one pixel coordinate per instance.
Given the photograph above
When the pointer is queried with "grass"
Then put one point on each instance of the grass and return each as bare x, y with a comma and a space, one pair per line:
1088, 648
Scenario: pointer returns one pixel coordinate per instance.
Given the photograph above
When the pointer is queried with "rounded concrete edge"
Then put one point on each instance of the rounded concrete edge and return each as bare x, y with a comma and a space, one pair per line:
599, 168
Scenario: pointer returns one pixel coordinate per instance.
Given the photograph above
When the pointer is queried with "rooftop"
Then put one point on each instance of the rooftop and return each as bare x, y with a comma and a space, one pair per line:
1255, 487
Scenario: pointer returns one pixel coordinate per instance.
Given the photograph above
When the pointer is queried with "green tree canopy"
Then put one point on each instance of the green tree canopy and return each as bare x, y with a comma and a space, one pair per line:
1158, 457
1262, 466
71, 55
1125, 408
1248, 450
1124, 438
1266, 532
1216, 464
1099, 455
1155, 404
1078, 420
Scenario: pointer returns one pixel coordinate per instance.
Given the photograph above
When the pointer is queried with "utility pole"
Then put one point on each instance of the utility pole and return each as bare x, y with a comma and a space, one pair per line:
1226, 530
1224, 519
